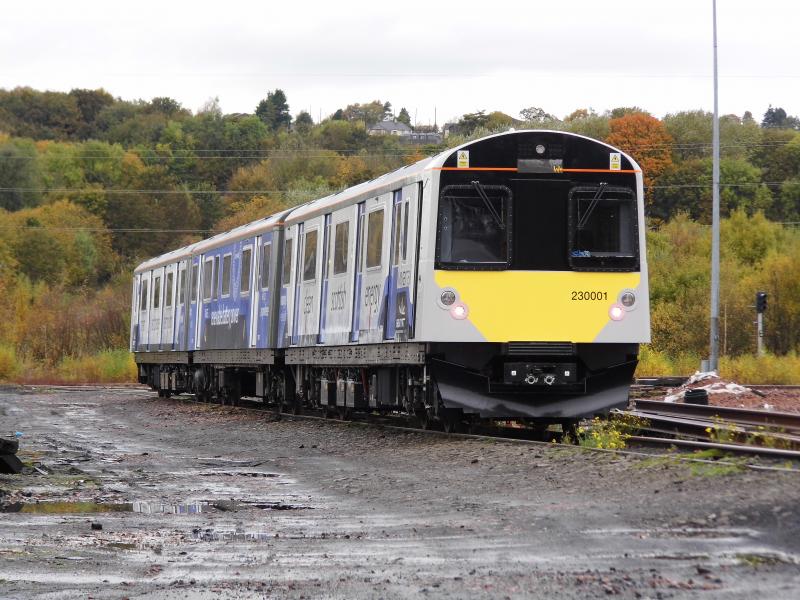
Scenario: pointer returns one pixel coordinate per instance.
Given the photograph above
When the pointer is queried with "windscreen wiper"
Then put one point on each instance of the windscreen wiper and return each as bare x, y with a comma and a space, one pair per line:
582, 220
482, 193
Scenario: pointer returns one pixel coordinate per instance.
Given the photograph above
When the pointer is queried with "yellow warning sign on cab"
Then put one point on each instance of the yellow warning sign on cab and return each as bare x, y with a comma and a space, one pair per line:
462, 160
615, 161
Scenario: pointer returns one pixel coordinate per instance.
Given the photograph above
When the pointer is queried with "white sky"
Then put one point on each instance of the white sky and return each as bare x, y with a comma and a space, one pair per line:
454, 55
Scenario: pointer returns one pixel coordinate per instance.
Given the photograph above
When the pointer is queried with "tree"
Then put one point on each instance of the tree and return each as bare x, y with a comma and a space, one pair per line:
621, 111
587, 122
646, 139
404, 117
274, 111
338, 115
303, 122
166, 106
20, 178
368, 113
778, 119
534, 114
387, 110
472, 121
90, 103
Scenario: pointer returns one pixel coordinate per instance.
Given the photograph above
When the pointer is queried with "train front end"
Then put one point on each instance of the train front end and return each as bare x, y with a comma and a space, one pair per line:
534, 281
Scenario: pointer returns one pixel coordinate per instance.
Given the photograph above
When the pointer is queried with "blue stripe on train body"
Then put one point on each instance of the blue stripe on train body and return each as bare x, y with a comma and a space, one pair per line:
225, 319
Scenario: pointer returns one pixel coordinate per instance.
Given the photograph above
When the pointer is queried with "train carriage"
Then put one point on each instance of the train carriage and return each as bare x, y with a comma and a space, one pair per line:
504, 278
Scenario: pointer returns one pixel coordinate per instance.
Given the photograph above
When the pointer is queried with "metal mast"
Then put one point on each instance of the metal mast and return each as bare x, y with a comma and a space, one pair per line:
714, 345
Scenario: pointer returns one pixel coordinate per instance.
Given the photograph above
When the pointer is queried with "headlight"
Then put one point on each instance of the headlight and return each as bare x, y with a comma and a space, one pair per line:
459, 312
616, 312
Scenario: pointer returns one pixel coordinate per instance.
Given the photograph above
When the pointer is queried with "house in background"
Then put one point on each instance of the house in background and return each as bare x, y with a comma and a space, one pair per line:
389, 127
404, 132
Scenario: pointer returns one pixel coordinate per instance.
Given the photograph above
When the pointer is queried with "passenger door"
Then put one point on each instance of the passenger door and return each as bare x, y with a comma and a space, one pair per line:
156, 309
339, 279
309, 275
168, 311
373, 269
286, 282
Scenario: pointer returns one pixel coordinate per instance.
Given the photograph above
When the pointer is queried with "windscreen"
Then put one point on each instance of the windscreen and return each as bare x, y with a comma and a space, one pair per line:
603, 228
473, 229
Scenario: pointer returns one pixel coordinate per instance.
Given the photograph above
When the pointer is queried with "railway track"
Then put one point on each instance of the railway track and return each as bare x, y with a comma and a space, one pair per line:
738, 430
524, 436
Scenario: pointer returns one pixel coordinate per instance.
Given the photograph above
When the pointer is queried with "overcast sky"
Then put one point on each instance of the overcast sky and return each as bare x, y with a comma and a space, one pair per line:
453, 56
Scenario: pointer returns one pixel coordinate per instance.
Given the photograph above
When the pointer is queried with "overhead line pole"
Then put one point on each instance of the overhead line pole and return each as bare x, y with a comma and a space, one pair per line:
714, 341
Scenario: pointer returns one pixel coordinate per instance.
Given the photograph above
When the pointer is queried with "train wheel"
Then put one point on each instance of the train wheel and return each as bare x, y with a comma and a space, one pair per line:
344, 413
452, 426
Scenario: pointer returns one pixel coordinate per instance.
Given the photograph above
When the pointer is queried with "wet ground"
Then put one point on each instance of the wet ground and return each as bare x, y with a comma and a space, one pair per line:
132, 496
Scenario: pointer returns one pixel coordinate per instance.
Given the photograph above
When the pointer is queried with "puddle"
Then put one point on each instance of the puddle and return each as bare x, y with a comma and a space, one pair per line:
165, 508
683, 532
210, 535
58, 508
237, 474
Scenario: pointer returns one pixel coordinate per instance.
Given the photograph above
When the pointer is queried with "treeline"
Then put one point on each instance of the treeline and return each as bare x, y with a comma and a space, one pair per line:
91, 184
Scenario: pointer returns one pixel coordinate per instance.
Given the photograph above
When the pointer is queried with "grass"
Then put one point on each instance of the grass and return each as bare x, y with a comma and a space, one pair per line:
728, 464
767, 369
107, 366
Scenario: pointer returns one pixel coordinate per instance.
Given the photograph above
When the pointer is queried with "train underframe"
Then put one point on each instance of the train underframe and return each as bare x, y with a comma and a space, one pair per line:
454, 384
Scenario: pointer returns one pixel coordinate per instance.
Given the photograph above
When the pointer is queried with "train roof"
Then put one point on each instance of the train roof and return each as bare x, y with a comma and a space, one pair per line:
368, 189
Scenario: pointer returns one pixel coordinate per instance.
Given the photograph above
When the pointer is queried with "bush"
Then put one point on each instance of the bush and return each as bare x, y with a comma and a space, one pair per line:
109, 366
9, 366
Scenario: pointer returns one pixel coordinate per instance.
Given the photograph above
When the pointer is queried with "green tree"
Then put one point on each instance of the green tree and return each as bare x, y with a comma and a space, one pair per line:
404, 117
778, 119
90, 103
303, 123
20, 177
274, 111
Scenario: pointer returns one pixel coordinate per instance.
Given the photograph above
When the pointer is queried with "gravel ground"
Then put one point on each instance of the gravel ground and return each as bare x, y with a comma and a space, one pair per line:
201, 501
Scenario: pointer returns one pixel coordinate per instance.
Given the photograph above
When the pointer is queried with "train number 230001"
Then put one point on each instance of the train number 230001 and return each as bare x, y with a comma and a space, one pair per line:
584, 295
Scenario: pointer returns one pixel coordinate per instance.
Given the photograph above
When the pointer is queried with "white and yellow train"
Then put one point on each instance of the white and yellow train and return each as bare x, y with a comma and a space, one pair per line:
505, 278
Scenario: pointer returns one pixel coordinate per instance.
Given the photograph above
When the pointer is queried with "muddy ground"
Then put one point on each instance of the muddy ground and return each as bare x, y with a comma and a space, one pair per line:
201, 501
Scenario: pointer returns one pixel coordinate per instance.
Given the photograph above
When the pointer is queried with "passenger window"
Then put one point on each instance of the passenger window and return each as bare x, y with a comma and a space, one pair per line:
405, 230
157, 293
215, 280
310, 256
208, 279
266, 254
375, 239
246, 256
287, 262
195, 273
341, 247
362, 237
182, 287
143, 300
226, 275
398, 208
168, 291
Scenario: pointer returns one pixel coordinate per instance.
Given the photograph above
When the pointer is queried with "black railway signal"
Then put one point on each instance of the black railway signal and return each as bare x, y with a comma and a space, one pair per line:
761, 302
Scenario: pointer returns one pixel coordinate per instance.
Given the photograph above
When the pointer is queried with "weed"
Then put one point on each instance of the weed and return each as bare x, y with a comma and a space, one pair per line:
610, 433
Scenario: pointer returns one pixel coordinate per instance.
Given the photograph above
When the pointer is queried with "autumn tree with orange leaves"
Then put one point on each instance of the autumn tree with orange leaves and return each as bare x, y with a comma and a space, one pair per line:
646, 139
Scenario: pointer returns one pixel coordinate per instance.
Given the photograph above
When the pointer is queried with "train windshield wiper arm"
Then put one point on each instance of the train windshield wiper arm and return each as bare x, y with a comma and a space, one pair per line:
582, 220
482, 193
